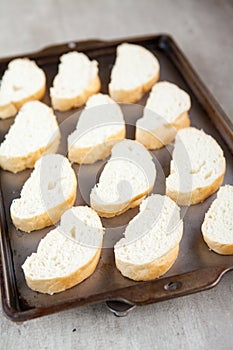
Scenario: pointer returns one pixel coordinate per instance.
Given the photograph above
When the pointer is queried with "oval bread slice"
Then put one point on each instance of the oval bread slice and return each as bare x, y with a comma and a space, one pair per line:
135, 71
46, 195
217, 228
100, 126
151, 240
76, 81
35, 132
166, 112
197, 168
62, 261
23, 81
126, 179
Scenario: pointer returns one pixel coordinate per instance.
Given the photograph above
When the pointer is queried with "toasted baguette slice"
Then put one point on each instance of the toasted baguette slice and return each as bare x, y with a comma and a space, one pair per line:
197, 168
166, 112
23, 81
151, 243
100, 126
76, 81
46, 195
126, 179
217, 228
35, 132
135, 71
62, 261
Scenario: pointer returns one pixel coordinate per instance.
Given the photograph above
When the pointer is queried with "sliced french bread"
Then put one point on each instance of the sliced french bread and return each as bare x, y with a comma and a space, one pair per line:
23, 81
217, 228
100, 126
63, 260
126, 179
166, 112
135, 71
46, 195
151, 240
76, 81
197, 168
35, 132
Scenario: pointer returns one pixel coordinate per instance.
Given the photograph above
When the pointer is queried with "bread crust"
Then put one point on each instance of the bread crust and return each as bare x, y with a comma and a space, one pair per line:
151, 270
167, 133
16, 164
115, 210
217, 247
10, 109
198, 195
59, 284
64, 104
47, 218
89, 155
131, 96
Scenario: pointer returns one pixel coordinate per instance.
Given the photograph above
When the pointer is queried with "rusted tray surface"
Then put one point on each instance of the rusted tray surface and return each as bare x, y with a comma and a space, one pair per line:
196, 268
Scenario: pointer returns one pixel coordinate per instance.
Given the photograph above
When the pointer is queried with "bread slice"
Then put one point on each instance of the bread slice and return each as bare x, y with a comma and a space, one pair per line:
126, 179
76, 81
217, 228
151, 240
62, 261
197, 168
35, 132
166, 112
135, 71
23, 81
46, 195
100, 126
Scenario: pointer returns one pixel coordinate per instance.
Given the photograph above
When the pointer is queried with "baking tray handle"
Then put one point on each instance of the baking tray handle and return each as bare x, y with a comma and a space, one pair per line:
72, 45
165, 288
56, 50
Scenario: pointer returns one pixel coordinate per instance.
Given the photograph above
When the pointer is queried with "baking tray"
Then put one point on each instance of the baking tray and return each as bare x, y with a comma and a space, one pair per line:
196, 269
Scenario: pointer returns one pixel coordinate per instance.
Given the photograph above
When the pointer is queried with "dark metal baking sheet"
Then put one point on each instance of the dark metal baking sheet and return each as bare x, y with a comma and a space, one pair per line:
196, 268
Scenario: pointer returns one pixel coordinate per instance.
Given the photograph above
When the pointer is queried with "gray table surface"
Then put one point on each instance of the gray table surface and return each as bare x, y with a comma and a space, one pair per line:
204, 30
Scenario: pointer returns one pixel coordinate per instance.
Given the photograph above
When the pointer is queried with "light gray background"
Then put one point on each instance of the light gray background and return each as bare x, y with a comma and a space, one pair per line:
204, 30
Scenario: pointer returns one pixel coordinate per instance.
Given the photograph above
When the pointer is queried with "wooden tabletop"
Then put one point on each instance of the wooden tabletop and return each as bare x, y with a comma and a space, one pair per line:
204, 30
